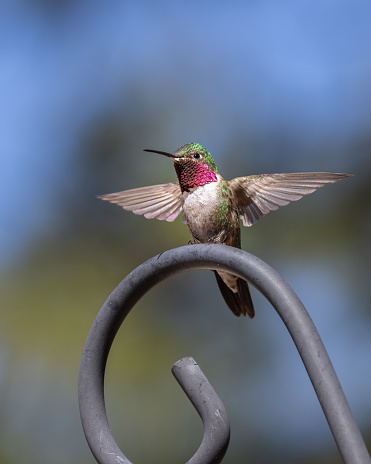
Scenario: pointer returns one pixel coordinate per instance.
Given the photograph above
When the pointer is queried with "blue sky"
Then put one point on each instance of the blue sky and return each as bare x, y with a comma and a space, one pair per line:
301, 66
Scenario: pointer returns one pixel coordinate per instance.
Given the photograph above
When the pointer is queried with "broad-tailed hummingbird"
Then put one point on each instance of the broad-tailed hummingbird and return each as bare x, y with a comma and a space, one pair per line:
213, 207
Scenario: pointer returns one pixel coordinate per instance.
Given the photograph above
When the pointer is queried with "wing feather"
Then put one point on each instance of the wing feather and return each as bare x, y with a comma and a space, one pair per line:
256, 196
163, 201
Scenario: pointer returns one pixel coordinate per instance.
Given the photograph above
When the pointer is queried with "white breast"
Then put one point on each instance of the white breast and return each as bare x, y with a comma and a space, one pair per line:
204, 196
198, 207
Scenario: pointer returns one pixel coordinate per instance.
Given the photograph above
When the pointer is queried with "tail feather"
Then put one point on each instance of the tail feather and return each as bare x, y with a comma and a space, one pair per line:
239, 302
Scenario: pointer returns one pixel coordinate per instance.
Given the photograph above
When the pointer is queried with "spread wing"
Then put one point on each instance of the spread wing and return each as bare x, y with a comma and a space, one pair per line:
163, 201
255, 196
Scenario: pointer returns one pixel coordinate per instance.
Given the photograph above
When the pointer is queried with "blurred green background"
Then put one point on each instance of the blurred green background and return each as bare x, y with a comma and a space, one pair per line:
267, 87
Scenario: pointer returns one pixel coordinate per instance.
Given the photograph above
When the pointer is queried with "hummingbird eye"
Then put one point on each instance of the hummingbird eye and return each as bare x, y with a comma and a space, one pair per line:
196, 155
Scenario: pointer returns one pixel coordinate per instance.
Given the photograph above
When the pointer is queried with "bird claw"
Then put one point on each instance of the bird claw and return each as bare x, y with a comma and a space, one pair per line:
212, 240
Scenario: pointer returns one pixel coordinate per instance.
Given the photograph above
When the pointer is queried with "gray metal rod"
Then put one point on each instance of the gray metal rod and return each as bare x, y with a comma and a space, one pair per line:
217, 257
210, 408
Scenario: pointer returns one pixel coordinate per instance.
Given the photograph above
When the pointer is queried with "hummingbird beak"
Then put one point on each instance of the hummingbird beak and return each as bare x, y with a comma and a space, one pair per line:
169, 155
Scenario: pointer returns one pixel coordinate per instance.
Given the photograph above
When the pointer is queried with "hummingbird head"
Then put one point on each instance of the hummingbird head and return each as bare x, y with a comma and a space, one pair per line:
193, 164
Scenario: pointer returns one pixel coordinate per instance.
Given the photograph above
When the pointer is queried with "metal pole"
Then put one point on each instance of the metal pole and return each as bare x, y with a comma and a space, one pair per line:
211, 410
217, 257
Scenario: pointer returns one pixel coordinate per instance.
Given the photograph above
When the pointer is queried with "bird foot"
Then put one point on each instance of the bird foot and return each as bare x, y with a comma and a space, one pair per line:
212, 240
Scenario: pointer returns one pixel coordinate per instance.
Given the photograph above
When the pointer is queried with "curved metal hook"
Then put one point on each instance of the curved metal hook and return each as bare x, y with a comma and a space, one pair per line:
217, 257
211, 410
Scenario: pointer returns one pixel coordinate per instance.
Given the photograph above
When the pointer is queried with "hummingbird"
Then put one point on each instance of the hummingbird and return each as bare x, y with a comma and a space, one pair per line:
214, 207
